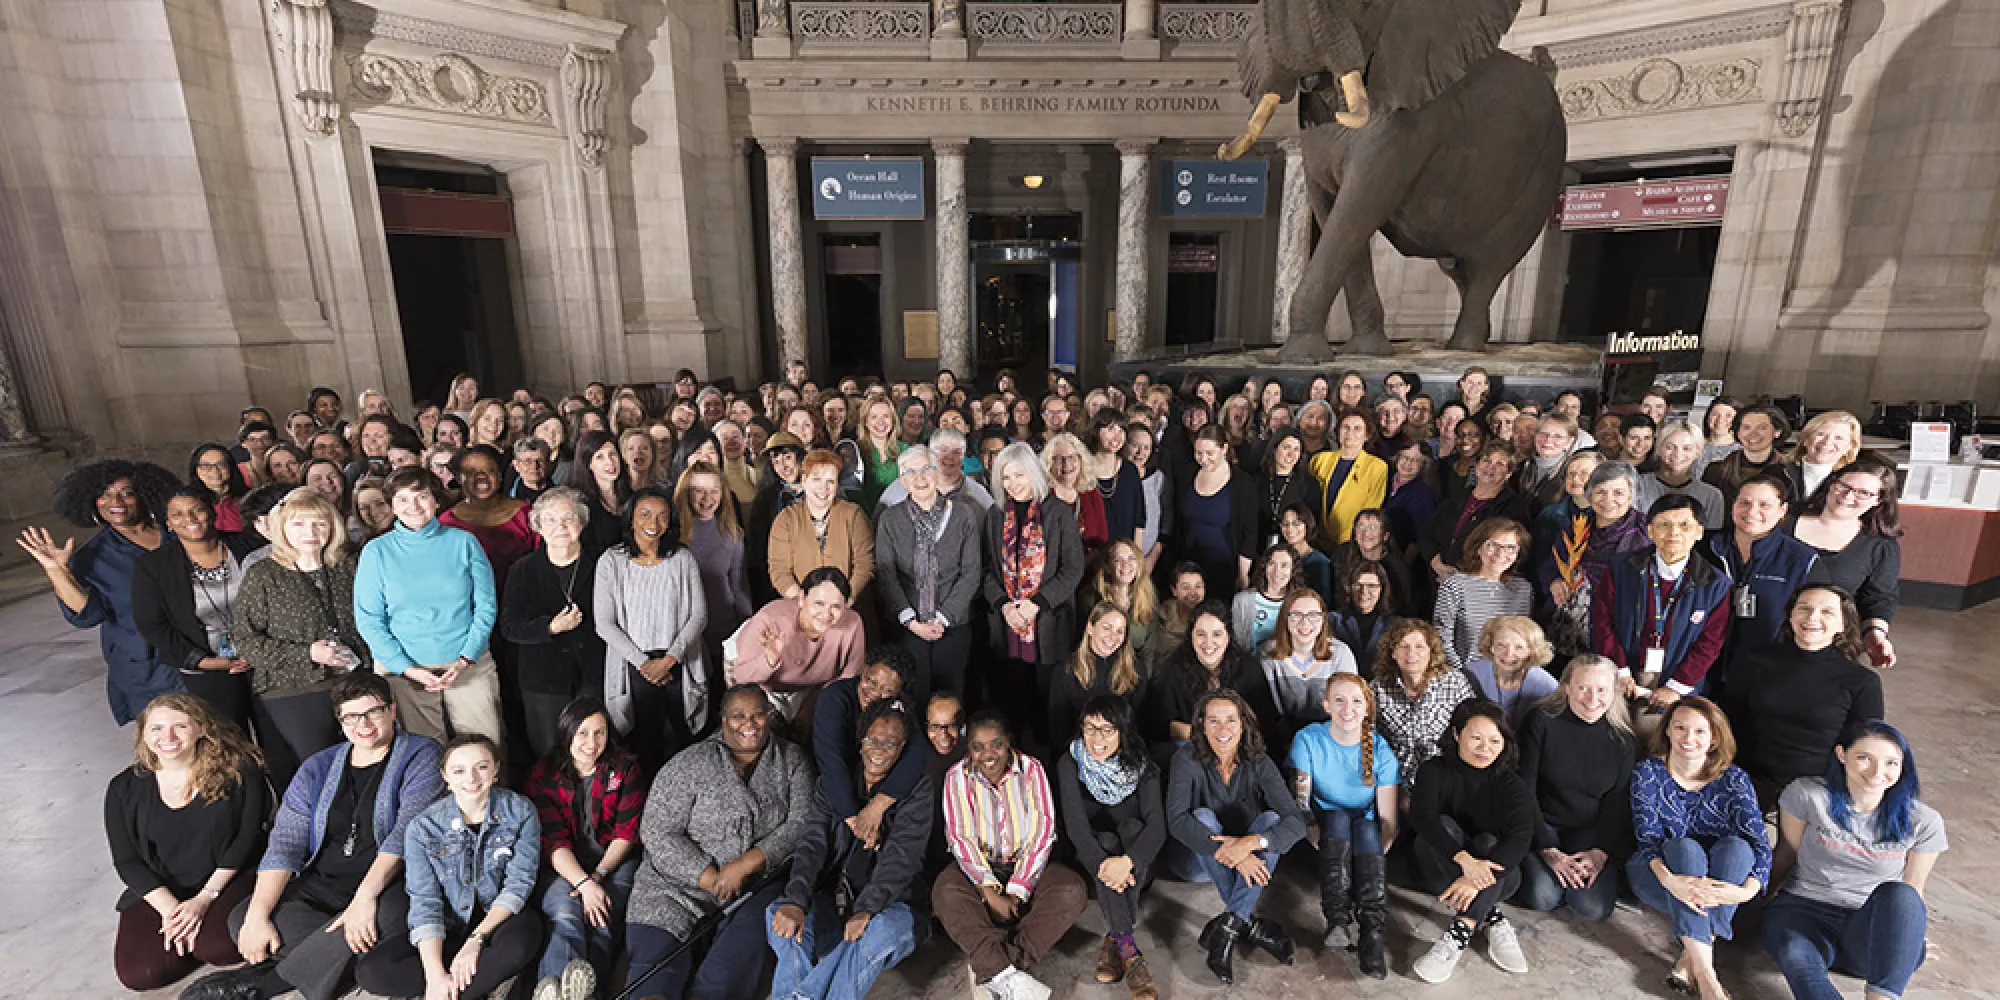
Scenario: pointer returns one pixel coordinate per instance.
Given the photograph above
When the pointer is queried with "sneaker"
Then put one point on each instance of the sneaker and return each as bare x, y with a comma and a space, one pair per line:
550, 988
1437, 964
579, 981
1013, 984
1503, 946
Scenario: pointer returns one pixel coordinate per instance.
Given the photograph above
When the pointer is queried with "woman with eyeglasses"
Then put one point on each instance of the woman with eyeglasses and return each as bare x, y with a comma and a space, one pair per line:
211, 468
1115, 820
927, 563
1297, 660
1488, 587
1853, 524
547, 610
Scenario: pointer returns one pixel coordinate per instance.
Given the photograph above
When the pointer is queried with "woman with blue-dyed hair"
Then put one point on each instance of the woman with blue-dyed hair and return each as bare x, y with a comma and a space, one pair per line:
1856, 847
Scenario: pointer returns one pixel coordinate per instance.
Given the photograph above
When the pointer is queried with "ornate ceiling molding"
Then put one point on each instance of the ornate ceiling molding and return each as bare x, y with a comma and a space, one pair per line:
358, 23
1660, 85
1645, 43
448, 82
777, 81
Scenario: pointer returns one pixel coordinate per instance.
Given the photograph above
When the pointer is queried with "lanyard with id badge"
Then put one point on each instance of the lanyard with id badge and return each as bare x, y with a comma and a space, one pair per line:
1661, 596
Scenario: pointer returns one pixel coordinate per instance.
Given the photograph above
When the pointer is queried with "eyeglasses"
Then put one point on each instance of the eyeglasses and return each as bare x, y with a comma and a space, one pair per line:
1855, 492
213, 466
353, 719
1090, 729
1502, 546
872, 743
921, 470
1303, 616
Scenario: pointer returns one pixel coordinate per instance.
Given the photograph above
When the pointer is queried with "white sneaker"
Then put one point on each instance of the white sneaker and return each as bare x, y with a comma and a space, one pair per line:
1503, 946
548, 989
1013, 984
1437, 964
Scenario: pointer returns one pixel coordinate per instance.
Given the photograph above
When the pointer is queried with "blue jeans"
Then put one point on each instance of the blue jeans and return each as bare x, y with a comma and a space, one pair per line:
1883, 941
807, 970
1363, 835
572, 935
1725, 859
1237, 892
1540, 890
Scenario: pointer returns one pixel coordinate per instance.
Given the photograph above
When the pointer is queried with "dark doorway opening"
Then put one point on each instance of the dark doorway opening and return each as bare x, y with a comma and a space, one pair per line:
853, 302
1194, 287
449, 229
1638, 281
1027, 287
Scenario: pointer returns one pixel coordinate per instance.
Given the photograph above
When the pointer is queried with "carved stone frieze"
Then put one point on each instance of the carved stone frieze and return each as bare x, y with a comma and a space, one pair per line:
448, 82
585, 74
1658, 85
1206, 23
860, 21
1645, 43
1043, 23
357, 23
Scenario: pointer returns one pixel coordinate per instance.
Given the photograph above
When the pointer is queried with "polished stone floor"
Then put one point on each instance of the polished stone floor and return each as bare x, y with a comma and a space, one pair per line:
58, 748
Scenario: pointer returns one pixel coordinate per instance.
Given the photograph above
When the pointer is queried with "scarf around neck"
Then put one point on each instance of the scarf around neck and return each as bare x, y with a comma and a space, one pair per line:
1109, 782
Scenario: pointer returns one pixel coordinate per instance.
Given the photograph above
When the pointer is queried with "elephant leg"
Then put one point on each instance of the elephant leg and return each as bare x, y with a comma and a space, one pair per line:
1376, 181
1476, 288
1364, 311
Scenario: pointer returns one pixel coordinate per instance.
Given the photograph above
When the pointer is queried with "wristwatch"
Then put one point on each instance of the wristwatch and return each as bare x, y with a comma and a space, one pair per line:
1263, 842
477, 936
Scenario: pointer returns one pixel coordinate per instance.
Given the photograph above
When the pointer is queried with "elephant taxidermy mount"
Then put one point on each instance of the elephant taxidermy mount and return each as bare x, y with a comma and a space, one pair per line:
1414, 122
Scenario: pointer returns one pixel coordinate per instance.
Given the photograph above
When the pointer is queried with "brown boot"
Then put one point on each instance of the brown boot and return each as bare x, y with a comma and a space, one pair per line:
1110, 966
1139, 980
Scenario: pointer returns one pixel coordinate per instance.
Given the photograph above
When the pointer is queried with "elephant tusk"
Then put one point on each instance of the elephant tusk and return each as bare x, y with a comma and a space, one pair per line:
1356, 93
1267, 105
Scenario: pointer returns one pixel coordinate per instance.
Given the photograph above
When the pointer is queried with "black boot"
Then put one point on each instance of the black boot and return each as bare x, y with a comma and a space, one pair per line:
1371, 906
1336, 901
1270, 935
231, 984
1222, 937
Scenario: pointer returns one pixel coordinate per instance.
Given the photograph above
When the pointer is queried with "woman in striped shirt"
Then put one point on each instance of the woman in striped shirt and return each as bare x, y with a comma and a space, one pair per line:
1487, 588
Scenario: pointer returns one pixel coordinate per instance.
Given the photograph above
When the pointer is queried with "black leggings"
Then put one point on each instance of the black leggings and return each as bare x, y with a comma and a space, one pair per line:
291, 729
394, 967
1436, 870
940, 665
659, 718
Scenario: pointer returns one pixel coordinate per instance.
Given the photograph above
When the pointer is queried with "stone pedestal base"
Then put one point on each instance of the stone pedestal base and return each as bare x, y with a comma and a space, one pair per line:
1140, 49
1533, 370
770, 48
950, 49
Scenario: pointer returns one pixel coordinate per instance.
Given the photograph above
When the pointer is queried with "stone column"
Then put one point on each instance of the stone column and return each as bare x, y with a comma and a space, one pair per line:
1294, 238
1141, 40
954, 253
774, 30
788, 262
1135, 189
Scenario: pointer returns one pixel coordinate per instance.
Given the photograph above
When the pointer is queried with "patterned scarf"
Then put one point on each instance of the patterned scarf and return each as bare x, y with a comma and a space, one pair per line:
1023, 553
1109, 782
929, 526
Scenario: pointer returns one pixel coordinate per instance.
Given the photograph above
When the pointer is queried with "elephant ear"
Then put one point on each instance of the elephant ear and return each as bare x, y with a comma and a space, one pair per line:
1259, 68
1426, 46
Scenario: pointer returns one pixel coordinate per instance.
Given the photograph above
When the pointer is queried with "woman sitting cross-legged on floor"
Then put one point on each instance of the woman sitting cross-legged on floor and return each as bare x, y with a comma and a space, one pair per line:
1855, 850
1576, 760
845, 916
1227, 803
1702, 848
1475, 822
1114, 819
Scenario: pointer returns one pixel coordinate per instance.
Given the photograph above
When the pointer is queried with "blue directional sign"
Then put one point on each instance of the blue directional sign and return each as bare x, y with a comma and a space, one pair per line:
884, 187
1214, 187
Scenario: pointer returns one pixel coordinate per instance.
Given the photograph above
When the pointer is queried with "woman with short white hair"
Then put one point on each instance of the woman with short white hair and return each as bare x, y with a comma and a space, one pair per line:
547, 613
927, 569
1034, 561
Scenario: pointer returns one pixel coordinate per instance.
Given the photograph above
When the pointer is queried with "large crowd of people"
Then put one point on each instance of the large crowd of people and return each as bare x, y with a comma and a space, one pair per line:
779, 686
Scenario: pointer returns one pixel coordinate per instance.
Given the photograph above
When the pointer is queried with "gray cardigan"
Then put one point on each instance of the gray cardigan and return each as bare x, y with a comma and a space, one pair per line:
957, 558
675, 602
699, 813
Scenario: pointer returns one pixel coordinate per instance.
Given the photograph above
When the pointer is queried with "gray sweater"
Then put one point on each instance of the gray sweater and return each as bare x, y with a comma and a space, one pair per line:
659, 607
958, 565
699, 813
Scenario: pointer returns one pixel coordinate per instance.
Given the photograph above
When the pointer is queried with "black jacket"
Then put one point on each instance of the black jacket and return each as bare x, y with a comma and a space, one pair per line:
826, 854
163, 599
1062, 570
836, 752
1140, 821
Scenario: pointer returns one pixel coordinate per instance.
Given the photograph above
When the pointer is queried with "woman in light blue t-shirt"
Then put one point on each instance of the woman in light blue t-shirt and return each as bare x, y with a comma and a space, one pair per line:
1347, 777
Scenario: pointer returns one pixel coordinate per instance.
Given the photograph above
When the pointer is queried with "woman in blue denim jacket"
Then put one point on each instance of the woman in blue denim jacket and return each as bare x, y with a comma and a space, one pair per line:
471, 862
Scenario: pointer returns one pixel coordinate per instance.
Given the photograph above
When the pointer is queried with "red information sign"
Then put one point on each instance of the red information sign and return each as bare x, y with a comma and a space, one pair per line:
1693, 201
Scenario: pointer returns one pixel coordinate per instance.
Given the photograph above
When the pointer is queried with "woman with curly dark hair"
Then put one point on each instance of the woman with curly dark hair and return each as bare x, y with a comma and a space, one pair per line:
211, 468
93, 582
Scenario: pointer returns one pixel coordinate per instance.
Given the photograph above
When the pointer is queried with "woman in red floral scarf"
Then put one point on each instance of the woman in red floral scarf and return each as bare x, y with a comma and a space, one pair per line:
1034, 561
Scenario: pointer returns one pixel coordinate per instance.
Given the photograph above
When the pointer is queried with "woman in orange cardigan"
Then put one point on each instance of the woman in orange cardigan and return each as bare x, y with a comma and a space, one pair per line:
823, 530
1350, 479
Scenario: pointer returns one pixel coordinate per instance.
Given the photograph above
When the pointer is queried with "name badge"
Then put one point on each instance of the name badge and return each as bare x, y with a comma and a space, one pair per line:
1745, 602
1656, 661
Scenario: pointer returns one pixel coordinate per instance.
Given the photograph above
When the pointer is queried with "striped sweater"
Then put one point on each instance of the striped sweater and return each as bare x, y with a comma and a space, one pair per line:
1013, 822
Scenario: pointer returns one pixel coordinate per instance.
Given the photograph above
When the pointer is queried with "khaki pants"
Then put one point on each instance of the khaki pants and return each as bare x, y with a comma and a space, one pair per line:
470, 705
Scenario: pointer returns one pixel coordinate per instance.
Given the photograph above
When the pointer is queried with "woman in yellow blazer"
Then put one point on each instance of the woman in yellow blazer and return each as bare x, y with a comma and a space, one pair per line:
1350, 479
